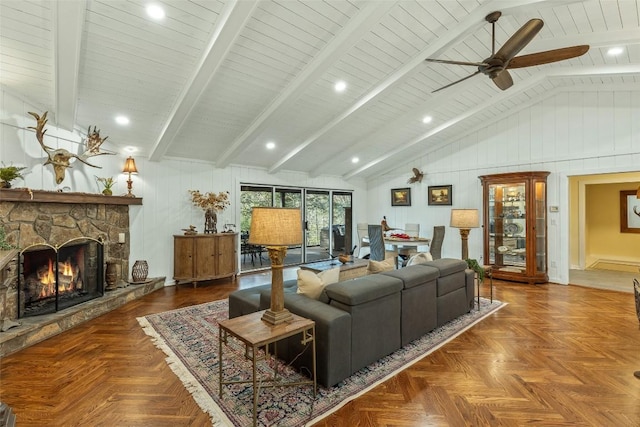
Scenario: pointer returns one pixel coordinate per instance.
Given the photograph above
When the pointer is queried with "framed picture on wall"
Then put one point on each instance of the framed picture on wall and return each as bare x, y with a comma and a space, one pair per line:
440, 195
629, 212
400, 197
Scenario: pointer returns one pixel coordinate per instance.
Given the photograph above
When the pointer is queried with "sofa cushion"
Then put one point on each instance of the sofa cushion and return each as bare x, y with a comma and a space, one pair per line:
311, 284
448, 266
363, 289
414, 275
419, 258
379, 266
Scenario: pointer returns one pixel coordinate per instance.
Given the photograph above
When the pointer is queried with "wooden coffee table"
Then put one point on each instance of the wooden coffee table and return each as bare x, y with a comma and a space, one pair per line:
350, 270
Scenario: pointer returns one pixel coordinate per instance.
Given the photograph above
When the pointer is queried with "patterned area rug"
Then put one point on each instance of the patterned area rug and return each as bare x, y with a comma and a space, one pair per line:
189, 337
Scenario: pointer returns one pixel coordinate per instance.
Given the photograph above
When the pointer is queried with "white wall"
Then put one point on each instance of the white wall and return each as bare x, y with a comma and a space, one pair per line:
566, 134
570, 133
163, 185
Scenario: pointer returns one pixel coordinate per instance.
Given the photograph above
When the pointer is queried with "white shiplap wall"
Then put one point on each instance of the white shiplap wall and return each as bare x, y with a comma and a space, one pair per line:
571, 133
163, 185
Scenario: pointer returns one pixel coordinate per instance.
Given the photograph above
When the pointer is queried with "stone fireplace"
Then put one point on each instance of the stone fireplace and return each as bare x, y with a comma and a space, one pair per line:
51, 279
50, 228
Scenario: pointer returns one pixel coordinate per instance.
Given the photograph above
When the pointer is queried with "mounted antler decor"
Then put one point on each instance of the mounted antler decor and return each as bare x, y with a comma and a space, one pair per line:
60, 158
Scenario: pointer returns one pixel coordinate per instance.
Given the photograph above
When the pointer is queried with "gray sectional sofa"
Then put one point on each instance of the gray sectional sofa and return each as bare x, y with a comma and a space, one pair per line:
361, 320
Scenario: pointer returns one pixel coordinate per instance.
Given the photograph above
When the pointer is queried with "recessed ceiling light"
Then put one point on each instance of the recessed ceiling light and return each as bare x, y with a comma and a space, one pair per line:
340, 86
155, 12
615, 51
270, 145
427, 119
122, 120
130, 149
355, 160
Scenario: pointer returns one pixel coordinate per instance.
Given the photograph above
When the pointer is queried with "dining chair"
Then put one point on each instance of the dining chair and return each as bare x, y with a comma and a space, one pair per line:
376, 242
377, 246
436, 241
363, 240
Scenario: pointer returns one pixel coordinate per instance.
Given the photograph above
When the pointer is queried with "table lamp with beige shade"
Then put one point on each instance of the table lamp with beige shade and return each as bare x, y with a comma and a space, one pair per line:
465, 220
276, 228
129, 168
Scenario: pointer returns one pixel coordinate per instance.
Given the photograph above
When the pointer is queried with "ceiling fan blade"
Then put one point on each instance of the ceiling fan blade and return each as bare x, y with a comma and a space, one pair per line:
519, 40
446, 61
548, 56
503, 80
458, 81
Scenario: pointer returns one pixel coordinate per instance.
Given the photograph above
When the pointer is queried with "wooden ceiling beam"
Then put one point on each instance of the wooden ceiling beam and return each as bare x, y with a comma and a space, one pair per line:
68, 25
229, 25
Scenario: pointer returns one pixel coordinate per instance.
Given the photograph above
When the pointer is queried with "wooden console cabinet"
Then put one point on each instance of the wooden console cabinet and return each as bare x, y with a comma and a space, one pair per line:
515, 225
204, 257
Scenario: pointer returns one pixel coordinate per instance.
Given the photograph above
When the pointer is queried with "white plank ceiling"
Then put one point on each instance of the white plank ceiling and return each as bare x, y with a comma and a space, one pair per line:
216, 80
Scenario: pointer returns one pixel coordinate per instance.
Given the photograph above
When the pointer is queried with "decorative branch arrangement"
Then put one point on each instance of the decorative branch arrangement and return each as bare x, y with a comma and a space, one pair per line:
61, 158
216, 201
211, 203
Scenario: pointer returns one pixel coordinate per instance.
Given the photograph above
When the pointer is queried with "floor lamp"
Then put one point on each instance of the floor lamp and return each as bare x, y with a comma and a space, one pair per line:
276, 228
465, 220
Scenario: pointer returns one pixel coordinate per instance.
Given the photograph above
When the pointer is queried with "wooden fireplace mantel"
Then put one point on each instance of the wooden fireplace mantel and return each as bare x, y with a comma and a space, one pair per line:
41, 196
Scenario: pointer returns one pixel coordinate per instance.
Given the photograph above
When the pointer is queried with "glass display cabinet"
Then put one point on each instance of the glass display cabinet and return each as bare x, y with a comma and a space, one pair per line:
515, 225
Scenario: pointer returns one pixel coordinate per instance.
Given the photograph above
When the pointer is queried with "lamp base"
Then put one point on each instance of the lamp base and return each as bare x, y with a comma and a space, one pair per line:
464, 235
277, 317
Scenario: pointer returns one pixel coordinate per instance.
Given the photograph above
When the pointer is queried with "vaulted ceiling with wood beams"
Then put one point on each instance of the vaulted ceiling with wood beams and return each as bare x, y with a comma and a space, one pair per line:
325, 82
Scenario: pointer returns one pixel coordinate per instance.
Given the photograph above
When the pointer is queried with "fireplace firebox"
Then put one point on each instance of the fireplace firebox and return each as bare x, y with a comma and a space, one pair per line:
52, 278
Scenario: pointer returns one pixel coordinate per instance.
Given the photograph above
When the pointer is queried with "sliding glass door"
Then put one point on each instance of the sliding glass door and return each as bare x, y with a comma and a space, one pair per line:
290, 198
341, 220
316, 217
326, 224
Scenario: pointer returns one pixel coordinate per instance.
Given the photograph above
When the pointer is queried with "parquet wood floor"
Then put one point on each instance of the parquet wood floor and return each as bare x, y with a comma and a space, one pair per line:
556, 355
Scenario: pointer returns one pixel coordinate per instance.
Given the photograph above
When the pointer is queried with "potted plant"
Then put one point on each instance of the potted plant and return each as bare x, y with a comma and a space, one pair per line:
8, 174
107, 183
473, 265
4, 245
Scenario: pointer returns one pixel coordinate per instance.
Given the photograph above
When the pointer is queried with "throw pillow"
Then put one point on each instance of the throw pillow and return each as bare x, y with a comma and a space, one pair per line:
420, 258
311, 284
380, 266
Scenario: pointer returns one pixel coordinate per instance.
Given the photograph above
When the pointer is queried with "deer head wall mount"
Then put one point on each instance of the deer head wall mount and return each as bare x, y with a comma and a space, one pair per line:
61, 158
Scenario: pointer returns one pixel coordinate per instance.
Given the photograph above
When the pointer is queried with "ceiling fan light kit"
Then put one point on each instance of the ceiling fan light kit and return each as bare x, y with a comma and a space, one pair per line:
505, 58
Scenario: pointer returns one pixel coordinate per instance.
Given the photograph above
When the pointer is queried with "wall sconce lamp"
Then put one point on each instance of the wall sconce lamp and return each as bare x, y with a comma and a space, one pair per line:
465, 220
130, 167
276, 228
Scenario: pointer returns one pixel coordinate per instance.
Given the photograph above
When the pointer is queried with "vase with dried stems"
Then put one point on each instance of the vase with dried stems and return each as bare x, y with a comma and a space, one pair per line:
211, 203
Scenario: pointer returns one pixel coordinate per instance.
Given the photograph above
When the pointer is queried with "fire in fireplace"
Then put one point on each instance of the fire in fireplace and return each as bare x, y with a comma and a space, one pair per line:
54, 278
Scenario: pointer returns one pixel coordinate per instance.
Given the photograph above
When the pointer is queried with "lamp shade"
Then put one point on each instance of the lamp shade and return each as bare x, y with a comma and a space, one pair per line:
464, 218
130, 166
275, 226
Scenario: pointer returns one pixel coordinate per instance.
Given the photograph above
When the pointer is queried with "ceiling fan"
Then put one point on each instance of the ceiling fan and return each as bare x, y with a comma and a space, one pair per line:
499, 62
